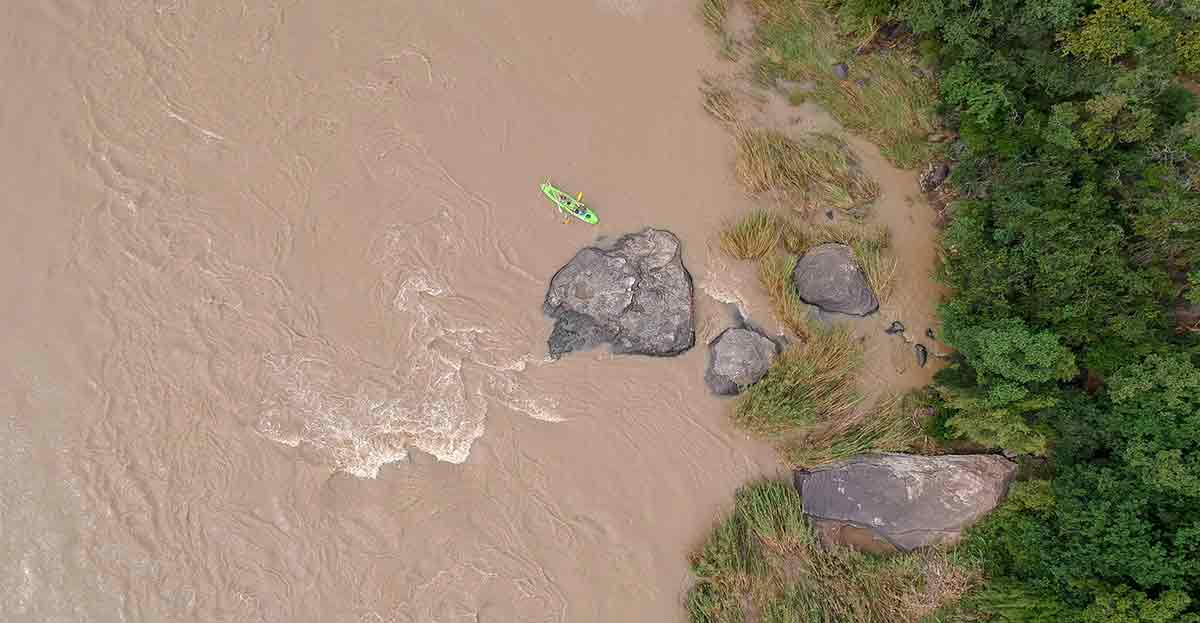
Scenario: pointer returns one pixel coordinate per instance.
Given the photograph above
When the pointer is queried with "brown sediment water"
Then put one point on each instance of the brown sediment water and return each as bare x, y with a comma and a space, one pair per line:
273, 276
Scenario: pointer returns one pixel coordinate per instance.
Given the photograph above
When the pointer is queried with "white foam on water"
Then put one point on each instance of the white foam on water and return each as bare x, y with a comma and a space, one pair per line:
295, 384
452, 362
721, 292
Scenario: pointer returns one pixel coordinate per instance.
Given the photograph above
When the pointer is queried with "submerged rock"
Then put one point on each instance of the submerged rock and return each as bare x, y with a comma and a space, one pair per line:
737, 358
829, 277
898, 502
894, 328
634, 294
922, 354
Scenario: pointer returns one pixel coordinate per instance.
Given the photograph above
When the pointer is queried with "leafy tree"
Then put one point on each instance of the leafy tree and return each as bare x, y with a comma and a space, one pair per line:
1008, 357
1114, 29
1116, 533
1188, 44
1121, 604
1079, 218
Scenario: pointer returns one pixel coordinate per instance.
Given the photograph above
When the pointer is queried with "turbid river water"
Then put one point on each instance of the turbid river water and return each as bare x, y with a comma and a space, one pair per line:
272, 276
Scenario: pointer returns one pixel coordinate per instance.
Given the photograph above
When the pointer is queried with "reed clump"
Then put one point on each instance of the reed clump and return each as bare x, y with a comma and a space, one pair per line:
762, 562
808, 384
887, 96
817, 170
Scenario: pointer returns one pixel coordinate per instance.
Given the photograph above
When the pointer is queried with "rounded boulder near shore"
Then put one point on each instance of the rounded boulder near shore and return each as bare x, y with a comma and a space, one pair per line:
738, 358
829, 277
634, 294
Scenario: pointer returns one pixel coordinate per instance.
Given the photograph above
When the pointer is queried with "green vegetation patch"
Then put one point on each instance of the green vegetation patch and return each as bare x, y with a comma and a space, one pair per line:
810, 383
886, 95
714, 12
809, 406
1078, 224
762, 563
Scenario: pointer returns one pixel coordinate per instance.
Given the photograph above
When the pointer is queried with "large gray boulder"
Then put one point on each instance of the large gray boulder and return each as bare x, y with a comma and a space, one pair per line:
634, 294
737, 358
829, 277
899, 502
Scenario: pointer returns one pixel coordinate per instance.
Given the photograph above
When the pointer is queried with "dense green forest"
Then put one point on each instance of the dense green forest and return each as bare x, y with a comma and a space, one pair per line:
1074, 241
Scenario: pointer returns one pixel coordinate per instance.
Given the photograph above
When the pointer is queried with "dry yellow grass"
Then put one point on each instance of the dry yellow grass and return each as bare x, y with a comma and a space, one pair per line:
893, 425
756, 234
718, 100
713, 12
775, 276
819, 170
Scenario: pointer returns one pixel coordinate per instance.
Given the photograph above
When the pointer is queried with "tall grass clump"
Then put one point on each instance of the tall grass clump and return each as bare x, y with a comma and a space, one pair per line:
775, 276
718, 100
754, 235
818, 170
879, 268
808, 384
713, 12
895, 424
888, 98
763, 563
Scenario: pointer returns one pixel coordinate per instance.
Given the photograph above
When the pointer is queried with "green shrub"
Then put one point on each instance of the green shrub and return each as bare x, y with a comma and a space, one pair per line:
1114, 28
1079, 213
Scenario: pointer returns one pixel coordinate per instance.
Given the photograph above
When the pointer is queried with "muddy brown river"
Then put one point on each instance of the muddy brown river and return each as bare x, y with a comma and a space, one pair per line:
272, 276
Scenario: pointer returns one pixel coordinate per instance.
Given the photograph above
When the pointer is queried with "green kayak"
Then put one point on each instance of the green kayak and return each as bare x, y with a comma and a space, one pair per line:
570, 205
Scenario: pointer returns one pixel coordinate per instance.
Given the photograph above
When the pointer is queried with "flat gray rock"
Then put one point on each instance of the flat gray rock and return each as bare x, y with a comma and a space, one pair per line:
829, 277
634, 294
900, 502
737, 358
